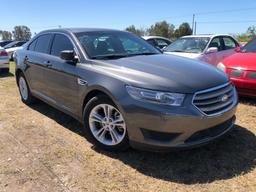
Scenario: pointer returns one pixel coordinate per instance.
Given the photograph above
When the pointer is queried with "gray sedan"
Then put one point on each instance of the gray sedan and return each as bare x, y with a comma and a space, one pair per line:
125, 91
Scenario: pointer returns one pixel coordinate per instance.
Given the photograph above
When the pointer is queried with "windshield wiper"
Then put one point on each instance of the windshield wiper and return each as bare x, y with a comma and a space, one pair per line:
176, 51
146, 53
118, 56
109, 56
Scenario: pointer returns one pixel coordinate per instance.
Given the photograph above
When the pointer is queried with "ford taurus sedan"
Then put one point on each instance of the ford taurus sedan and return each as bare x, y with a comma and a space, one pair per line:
207, 48
124, 91
241, 68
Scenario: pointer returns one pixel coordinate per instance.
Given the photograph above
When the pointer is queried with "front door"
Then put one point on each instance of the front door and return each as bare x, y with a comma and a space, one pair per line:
61, 76
215, 58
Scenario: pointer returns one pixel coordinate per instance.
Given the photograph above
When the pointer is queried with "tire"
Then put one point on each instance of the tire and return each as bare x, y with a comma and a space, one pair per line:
24, 90
108, 132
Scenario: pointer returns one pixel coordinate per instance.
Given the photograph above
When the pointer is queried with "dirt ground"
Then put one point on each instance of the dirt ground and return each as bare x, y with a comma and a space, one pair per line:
42, 149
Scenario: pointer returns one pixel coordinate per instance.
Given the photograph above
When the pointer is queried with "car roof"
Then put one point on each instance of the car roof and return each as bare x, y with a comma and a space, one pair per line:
154, 37
79, 30
206, 35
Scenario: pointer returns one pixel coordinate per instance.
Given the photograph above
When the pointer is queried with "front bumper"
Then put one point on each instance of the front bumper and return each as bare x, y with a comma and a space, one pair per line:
245, 87
157, 127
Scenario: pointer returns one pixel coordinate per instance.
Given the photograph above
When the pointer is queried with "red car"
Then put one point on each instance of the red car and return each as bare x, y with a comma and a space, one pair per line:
241, 68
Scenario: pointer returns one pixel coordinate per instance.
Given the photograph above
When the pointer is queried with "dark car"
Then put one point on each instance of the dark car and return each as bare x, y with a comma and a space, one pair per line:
158, 41
125, 91
14, 44
3, 43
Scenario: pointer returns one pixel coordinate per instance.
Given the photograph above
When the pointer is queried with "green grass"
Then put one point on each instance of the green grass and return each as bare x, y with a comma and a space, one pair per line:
12, 68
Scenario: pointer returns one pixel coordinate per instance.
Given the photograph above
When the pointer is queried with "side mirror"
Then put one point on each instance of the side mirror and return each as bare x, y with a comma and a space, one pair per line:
212, 50
237, 49
69, 56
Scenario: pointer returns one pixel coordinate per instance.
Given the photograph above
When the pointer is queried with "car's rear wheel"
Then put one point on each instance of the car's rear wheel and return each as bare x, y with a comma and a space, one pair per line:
25, 93
106, 124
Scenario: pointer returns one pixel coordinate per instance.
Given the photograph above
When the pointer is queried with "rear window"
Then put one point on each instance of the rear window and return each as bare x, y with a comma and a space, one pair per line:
43, 43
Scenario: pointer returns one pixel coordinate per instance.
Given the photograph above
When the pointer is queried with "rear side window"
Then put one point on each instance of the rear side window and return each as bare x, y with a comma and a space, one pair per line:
32, 45
43, 43
229, 43
61, 43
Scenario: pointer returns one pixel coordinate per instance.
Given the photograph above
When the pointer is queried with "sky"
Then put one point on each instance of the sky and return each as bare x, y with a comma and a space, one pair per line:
212, 16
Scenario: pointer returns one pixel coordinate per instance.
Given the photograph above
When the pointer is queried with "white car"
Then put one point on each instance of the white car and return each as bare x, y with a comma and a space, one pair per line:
158, 41
208, 48
4, 59
12, 47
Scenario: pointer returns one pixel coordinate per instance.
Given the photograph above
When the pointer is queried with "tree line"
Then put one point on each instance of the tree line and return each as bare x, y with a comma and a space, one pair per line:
250, 33
19, 33
163, 28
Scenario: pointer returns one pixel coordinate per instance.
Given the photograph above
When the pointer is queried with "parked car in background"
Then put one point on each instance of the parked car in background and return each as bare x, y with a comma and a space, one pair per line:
5, 42
158, 41
12, 47
4, 59
208, 48
125, 91
241, 68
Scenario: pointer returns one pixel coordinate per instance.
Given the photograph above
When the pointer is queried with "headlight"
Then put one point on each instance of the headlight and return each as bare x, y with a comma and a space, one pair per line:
166, 98
221, 66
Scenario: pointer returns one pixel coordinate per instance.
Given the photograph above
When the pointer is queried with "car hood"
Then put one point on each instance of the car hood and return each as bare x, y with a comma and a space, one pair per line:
183, 54
163, 72
245, 61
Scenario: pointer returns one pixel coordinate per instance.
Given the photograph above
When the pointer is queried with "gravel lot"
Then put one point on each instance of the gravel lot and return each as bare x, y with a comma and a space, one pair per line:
42, 149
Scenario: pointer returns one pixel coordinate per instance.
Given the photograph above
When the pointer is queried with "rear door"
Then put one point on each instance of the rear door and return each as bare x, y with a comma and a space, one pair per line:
61, 77
35, 58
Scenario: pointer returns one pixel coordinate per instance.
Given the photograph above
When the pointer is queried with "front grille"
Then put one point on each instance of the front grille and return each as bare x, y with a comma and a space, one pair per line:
236, 73
215, 100
252, 75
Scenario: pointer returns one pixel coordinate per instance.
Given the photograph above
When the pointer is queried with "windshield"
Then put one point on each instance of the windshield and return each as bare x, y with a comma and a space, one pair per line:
188, 45
113, 45
250, 47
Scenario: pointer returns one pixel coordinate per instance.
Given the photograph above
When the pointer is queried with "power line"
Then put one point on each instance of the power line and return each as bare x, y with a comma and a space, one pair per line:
225, 11
210, 13
218, 22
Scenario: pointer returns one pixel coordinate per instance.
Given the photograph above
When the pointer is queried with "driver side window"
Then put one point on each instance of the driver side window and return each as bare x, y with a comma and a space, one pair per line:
61, 43
216, 43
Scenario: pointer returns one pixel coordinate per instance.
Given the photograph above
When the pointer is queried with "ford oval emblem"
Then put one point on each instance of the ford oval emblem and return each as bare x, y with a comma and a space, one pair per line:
224, 98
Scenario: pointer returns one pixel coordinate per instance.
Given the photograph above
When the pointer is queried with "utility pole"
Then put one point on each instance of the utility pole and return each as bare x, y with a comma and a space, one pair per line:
195, 28
193, 23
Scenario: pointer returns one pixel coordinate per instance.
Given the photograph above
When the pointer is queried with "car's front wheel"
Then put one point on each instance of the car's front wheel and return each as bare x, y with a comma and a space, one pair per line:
25, 93
106, 124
